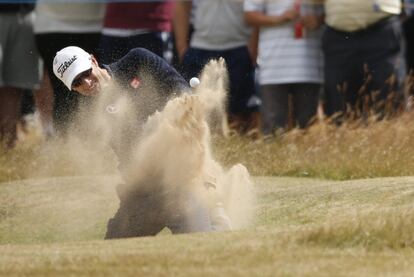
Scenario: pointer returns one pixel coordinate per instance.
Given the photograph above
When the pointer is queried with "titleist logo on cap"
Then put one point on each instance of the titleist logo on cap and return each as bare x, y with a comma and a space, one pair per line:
64, 66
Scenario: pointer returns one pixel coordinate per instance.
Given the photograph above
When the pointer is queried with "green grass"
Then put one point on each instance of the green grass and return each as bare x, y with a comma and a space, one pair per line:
306, 227
38, 210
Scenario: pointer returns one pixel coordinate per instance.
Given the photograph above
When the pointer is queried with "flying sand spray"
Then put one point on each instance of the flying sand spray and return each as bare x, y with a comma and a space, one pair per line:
172, 144
176, 144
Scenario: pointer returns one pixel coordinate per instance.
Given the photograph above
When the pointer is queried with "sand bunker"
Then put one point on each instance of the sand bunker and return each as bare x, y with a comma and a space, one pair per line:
171, 147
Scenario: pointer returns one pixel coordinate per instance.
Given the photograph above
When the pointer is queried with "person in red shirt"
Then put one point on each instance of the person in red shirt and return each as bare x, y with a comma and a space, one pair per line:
130, 25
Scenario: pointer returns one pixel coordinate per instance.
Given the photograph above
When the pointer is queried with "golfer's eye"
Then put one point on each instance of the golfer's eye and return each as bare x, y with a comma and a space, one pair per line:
76, 83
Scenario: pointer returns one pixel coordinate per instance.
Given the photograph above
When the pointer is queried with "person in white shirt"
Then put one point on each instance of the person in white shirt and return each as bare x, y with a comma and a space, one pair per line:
290, 60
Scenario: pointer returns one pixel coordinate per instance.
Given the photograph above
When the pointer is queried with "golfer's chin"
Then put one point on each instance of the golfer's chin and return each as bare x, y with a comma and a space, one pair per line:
93, 91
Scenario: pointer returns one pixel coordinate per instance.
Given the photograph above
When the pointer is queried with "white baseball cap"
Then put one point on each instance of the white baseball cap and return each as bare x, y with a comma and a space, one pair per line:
70, 62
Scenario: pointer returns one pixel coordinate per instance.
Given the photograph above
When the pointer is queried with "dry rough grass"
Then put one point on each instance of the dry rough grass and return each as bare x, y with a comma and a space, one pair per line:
34, 158
352, 151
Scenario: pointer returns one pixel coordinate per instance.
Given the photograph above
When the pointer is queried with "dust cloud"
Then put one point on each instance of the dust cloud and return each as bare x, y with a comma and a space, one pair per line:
173, 145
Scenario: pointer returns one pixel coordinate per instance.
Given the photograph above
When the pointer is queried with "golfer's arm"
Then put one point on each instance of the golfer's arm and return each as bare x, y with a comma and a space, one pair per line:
181, 22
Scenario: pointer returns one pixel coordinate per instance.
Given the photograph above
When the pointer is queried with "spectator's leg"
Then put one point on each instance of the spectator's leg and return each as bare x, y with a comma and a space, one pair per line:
333, 98
409, 55
383, 53
242, 87
10, 111
274, 107
305, 102
343, 72
19, 65
44, 102
27, 108
241, 78
27, 103
409, 38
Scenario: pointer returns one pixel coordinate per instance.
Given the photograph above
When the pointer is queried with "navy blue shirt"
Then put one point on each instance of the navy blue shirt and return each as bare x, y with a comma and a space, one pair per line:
152, 71
158, 83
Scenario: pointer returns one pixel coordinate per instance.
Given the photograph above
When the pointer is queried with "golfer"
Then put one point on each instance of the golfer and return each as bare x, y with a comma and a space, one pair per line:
144, 210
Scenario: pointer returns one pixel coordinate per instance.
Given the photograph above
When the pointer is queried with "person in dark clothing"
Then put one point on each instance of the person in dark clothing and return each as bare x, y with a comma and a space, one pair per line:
364, 66
408, 28
145, 209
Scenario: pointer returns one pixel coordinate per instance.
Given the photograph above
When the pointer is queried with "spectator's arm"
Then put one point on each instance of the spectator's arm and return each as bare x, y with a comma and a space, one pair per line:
181, 22
254, 45
312, 22
313, 14
260, 19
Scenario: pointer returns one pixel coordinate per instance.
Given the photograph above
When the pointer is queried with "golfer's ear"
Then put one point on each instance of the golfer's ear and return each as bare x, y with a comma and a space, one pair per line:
94, 61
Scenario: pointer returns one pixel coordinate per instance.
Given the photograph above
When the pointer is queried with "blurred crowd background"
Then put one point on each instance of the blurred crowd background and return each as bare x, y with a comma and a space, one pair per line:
289, 61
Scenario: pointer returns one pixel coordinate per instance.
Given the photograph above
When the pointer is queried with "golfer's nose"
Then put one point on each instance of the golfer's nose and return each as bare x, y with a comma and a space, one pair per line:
87, 81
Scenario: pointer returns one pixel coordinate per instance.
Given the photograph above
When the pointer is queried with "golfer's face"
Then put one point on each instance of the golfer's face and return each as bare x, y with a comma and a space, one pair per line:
87, 82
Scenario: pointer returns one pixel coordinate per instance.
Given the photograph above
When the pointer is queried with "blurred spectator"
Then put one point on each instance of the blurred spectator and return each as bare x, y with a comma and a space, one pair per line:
19, 65
131, 25
220, 31
363, 57
59, 25
43, 100
27, 110
408, 27
176, 59
290, 60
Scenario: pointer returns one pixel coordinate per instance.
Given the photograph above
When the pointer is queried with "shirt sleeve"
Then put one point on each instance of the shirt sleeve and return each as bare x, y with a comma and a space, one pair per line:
254, 5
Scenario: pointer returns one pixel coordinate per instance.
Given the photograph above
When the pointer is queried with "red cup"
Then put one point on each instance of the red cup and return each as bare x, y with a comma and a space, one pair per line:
298, 26
299, 30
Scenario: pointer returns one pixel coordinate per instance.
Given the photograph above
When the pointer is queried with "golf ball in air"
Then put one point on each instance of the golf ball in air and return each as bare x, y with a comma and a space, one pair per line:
194, 82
